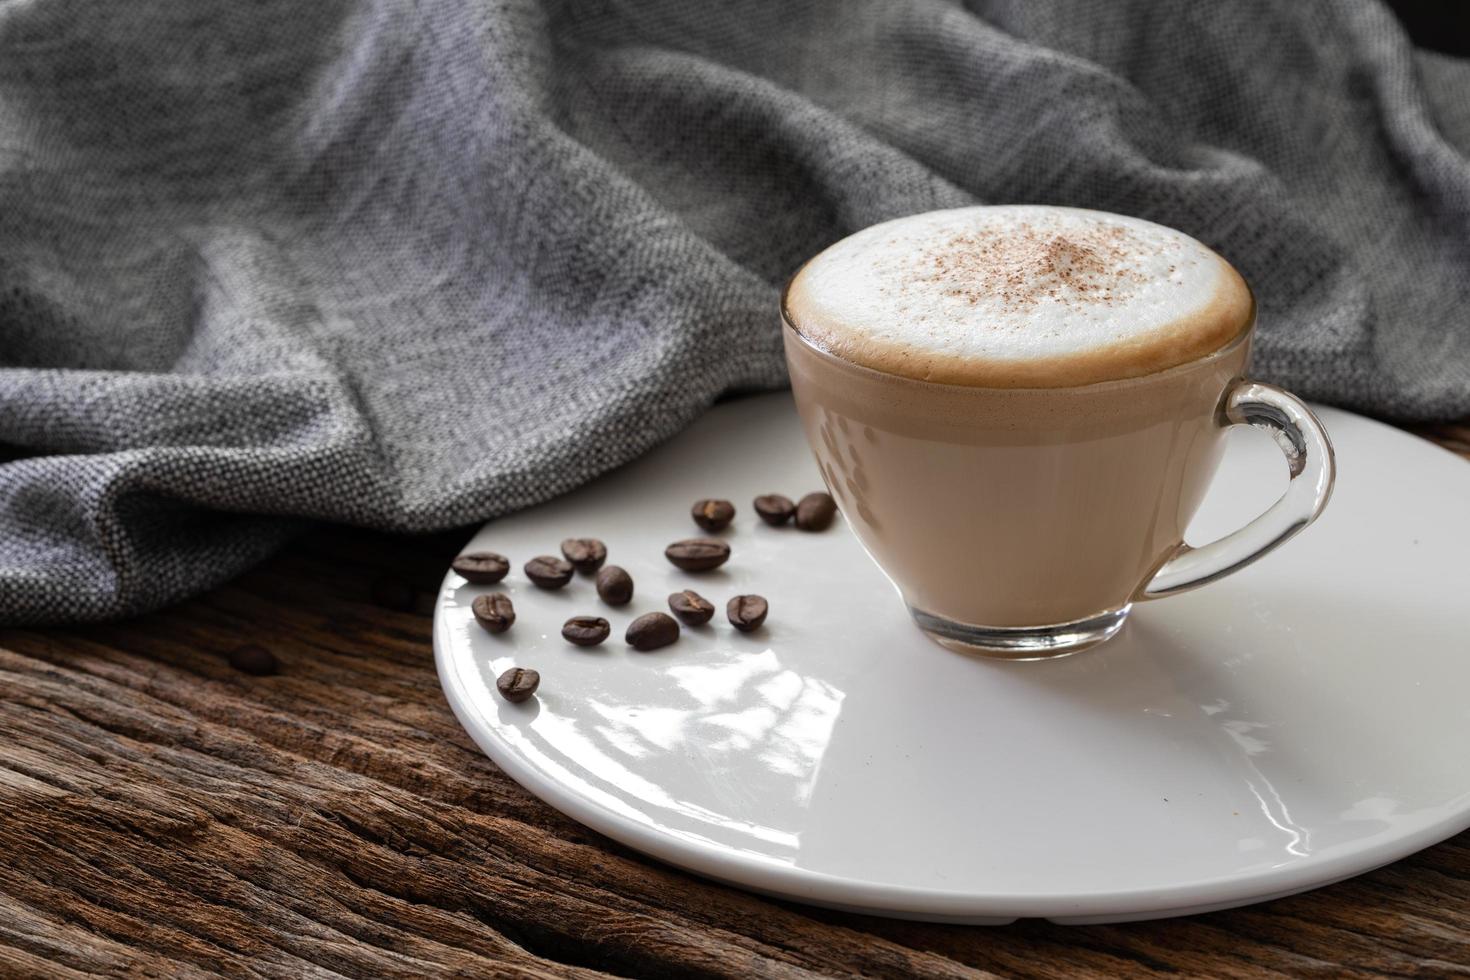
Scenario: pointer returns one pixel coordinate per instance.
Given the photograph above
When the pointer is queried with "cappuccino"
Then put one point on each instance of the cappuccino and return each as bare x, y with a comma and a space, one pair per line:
1019, 297
1018, 410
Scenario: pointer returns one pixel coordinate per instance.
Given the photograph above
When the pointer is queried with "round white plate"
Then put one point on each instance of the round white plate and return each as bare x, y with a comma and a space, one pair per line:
1300, 722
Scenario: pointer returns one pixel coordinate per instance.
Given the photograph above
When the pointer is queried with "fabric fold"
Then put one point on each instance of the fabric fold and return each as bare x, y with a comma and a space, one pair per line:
415, 265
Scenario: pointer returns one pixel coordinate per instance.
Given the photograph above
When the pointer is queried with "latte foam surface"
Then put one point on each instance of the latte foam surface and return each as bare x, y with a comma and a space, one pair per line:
1019, 296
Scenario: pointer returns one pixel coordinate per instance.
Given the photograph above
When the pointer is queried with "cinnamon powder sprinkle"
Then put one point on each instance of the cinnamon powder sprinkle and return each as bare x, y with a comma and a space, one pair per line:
1023, 265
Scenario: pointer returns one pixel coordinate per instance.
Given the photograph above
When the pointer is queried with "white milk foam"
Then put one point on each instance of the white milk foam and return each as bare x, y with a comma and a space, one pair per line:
1019, 295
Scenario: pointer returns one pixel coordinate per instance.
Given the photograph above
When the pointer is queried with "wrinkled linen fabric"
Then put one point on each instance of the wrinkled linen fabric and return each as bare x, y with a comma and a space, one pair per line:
414, 265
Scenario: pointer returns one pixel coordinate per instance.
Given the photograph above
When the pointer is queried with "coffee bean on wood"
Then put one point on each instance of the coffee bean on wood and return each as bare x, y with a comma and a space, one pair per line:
774, 509
746, 612
494, 611
614, 586
651, 631
547, 572
698, 554
713, 515
585, 554
585, 631
481, 567
691, 607
518, 684
253, 659
815, 512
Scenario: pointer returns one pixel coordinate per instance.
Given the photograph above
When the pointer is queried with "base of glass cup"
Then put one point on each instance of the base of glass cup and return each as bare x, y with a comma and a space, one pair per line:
1022, 642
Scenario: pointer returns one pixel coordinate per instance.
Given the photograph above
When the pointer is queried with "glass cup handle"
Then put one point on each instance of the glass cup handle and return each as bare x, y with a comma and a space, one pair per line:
1308, 454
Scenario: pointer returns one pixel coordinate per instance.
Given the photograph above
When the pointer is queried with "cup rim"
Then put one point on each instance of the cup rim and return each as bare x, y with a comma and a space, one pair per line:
1224, 350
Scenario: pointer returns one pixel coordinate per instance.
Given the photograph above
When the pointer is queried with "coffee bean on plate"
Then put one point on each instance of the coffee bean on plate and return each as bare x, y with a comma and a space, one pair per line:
691, 607
747, 612
253, 659
651, 631
481, 567
517, 684
815, 512
392, 592
614, 586
713, 515
585, 631
546, 572
698, 554
585, 554
494, 611
774, 509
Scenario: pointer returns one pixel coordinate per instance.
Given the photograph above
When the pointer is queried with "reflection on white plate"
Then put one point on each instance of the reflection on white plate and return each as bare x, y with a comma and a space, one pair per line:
1300, 722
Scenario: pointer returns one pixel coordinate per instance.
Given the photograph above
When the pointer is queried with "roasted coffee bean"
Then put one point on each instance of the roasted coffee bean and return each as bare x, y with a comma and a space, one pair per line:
585, 631
494, 611
585, 554
746, 612
698, 554
517, 684
693, 608
481, 567
546, 572
615, 586
651, 631
815, 512
713, 515
252, 659
392, 592
774, 509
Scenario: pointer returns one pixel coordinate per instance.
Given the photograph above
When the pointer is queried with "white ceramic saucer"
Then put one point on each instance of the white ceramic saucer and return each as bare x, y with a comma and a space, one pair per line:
1300, 722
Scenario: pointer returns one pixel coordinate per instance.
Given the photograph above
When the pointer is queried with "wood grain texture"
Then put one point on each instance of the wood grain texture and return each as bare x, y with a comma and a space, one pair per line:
162, 814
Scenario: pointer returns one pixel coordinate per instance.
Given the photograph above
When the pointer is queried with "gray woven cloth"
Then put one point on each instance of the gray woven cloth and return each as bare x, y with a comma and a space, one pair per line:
413, 265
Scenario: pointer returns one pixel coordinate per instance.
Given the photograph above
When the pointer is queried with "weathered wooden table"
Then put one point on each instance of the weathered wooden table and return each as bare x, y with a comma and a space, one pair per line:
162, 814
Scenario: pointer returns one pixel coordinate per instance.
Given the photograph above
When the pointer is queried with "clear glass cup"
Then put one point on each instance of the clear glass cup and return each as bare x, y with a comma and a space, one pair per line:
1025, 522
